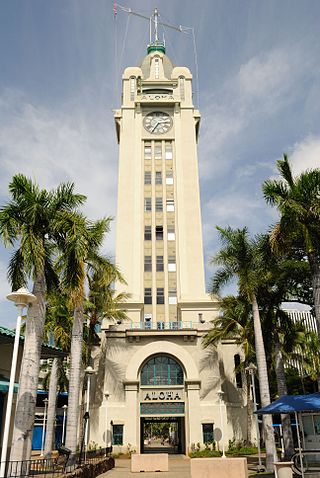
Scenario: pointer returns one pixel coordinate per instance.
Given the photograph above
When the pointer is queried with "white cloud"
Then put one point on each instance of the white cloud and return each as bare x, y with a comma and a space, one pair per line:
305, 154
57, 145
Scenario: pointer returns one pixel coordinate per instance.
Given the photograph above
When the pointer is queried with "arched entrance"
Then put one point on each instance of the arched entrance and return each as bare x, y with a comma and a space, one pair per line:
162, 405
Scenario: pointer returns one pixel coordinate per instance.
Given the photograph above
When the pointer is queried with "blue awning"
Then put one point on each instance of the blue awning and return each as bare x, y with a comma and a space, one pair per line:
4, 386
293, 403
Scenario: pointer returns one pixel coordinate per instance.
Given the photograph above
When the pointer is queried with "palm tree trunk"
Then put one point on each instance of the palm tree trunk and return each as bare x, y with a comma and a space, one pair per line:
74, 379
315, 272
52, 405
271, 452
282, 390
29, 375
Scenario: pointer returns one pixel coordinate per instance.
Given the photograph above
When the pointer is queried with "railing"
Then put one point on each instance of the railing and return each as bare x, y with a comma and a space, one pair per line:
148, 325
51, 467
310, 462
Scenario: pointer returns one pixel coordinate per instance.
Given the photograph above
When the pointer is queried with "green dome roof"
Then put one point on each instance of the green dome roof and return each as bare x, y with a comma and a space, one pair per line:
156, 46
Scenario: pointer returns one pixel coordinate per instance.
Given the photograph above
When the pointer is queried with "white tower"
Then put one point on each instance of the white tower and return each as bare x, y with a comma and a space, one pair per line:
159, 237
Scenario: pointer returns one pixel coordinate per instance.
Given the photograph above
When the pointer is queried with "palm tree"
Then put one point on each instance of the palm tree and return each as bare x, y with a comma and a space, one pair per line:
239, 258
235, 323
80, 258
58, 327
298, 201
29, 222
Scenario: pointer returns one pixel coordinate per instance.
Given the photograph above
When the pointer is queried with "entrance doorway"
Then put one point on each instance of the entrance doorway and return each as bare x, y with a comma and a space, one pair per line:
163, 435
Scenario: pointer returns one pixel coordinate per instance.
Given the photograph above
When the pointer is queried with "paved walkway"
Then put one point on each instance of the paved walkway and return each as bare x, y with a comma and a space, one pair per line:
179, 467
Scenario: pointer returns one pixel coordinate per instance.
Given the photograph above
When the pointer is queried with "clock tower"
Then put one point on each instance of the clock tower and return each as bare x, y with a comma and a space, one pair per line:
159, 237
152, 367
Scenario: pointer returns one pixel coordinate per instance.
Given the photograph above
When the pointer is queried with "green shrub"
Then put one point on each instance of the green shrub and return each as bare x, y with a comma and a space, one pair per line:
206, 453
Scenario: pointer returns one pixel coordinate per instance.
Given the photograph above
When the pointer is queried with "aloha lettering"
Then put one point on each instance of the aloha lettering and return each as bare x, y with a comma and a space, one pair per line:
156, 97
162, 395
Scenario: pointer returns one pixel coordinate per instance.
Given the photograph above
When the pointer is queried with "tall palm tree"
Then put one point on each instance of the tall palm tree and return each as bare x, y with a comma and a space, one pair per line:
235, 323
58, 327
80, 257
29, 223
298, 201
239, 258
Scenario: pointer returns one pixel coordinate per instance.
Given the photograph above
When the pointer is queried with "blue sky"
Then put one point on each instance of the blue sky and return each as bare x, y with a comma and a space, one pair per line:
259, 83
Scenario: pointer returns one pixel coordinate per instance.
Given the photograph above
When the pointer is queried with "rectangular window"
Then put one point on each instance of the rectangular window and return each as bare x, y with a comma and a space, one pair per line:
237, 362
147, 204
148, 295
171, 233
147, 150
207, 432
147, 177
132, 87
170, 205
172, 296
169, 177
159, 233
117, 434
158, 177
147, 264
156, 68
157, 150
159, 263
159, 204
147, 233
160, 295
171, 264
168, 150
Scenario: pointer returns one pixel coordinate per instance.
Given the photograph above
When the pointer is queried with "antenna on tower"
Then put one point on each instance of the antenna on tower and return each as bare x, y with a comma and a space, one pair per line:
157, 45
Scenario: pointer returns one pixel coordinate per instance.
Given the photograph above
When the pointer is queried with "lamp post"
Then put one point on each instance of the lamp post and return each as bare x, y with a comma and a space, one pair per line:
65, 408
220, 395
107, 395
21, 298
89, 371
45, 401
252, 370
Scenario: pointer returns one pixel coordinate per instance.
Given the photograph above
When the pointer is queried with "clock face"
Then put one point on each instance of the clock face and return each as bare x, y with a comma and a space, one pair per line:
157, 122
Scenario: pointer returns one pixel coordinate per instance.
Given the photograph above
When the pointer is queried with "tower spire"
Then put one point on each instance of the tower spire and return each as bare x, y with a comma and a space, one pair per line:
155, 45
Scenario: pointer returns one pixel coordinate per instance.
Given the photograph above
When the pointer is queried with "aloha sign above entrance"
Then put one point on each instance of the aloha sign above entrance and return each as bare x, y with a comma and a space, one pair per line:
161, 395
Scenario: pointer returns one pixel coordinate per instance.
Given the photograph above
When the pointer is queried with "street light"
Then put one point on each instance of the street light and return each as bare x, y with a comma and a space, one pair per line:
65, 408
220, 395
107, 395
252, 370
22, 298
45, 401
89, 371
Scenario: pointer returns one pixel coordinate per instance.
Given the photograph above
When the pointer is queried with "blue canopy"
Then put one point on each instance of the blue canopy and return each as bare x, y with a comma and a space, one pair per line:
293, 403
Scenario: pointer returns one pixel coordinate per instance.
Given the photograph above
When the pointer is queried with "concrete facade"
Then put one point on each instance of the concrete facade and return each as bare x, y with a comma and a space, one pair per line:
160, 254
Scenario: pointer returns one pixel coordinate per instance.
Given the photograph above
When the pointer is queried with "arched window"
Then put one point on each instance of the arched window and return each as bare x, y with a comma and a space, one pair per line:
161, 370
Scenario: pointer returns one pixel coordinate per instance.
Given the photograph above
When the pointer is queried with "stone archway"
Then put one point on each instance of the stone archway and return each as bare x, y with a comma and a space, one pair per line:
161, 347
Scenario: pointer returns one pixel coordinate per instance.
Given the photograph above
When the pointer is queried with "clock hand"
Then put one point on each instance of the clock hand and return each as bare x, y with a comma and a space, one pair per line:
155, 126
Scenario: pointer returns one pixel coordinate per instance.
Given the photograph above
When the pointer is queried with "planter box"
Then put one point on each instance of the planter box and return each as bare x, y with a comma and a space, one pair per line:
219, 468
149, 462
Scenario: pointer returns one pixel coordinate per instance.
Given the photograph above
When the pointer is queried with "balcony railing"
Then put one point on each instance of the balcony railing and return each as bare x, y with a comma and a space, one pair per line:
149, 325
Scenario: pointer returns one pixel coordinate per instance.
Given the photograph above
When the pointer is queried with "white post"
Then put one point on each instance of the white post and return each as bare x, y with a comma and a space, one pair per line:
252, 369
65, 407
220, 395
106, 394
87, 410
89, 371
10, 392
45, 401
22, 298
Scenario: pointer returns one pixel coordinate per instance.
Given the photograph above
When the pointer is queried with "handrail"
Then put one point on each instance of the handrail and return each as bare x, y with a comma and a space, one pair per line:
161, 325
307, 466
